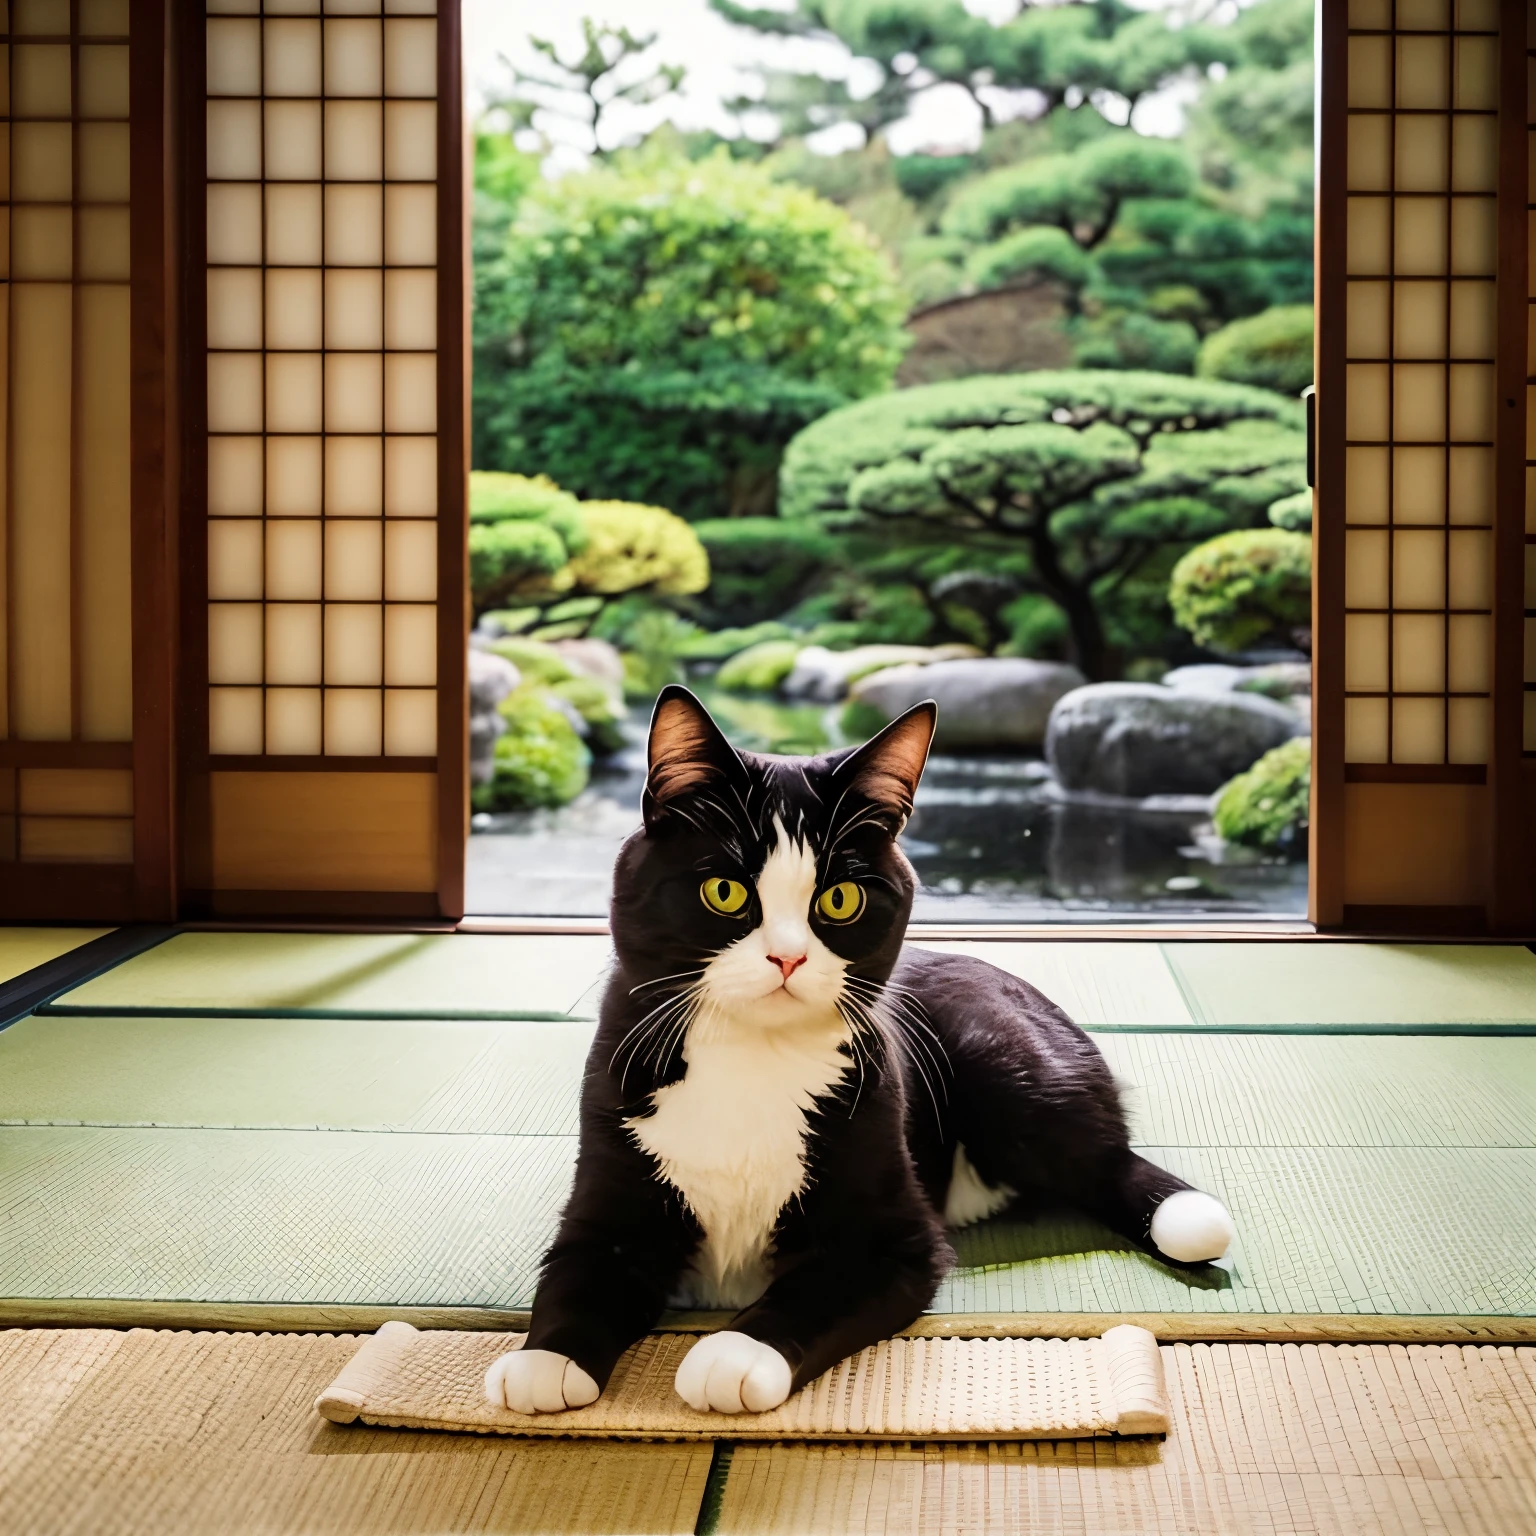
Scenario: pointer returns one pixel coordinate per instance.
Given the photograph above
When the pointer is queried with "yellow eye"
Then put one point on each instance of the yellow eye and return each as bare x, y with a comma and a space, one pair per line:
726, 897
841, 903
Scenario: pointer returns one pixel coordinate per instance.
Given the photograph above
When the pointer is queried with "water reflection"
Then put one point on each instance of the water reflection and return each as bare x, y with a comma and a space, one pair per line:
992, 838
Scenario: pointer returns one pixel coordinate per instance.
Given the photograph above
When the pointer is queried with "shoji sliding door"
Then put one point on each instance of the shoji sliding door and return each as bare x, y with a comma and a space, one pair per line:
1421, 781
67, 707
323, 713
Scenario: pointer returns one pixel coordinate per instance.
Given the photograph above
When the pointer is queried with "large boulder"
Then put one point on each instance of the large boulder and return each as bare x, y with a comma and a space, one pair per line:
1138, 739
1001, 702
824, 676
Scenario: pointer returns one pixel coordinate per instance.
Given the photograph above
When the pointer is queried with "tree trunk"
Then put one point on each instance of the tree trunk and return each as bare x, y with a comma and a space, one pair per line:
1075, 599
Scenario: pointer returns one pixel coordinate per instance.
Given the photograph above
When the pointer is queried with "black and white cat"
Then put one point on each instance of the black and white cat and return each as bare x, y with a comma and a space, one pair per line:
784, 1108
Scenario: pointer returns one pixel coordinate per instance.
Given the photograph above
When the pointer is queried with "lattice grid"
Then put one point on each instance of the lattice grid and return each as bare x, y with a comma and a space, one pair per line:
1422, 252
322, 377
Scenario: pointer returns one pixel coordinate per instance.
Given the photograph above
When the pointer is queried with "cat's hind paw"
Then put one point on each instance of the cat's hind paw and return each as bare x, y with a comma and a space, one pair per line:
538, 1381
733, 1373
1192, 1227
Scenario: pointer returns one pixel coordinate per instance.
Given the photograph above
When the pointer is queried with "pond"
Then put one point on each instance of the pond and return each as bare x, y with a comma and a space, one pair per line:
993, 839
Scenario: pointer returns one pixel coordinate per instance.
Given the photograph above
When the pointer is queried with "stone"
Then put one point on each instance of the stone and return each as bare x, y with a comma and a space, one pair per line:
491, 679
1205, 677
824, 676
998, 702
595, 659
1139, 739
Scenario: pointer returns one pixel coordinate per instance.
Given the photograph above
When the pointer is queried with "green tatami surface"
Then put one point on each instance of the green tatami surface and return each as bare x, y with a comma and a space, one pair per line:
1306, 987
23, 948
347, 1161
320, 975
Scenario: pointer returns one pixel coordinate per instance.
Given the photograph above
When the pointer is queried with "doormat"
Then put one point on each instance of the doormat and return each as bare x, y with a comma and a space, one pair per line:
901, 1389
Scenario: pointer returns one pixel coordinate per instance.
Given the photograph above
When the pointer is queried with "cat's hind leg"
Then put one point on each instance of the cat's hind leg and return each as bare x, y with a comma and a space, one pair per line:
1148, 1203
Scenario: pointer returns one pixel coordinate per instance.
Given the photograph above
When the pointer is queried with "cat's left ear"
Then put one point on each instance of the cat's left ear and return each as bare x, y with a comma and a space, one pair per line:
686, 752
886, 769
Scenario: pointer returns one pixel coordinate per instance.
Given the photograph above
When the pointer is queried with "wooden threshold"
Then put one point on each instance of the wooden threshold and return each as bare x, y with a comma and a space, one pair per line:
1169, 1327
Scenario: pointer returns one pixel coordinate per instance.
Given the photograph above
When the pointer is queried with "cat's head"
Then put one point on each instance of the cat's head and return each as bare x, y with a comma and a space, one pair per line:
775, 884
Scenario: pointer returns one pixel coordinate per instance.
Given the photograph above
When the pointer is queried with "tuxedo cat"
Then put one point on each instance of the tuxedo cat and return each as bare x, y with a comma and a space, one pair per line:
784, 1108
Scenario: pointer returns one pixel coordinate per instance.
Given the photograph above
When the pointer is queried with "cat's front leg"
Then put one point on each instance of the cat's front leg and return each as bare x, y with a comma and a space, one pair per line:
603, 1284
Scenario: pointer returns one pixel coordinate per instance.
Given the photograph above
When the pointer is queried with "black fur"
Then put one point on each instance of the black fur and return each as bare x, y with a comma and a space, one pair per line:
969, 1054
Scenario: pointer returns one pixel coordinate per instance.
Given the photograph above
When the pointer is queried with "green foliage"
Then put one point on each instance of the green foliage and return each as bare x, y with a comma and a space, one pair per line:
534, 660
1128, 338
1084, 477
924, 176
629, 547
1038, 250
654, 641
1272, 350
598, 708
529, 539
914, 44
1293, 512
1244, 587
1080, 193
760, 567
722, 644
659, 331
1267, 807
859, 721
540, 761
760, 668
514, 559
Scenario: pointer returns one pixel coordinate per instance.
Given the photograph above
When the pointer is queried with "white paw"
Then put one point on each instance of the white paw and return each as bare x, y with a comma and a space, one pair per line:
733, 1373
538, 1381
1191, 1227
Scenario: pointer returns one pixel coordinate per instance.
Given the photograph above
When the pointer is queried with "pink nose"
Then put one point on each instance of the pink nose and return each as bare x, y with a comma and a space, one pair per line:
789, 967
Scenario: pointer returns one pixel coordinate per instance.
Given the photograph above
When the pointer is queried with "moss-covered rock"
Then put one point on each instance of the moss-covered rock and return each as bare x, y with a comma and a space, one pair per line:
1266, 807
540, 761
601, 712
534, 660
760, 668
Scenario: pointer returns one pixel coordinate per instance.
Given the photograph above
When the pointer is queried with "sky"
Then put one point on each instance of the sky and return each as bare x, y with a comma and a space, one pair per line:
719, 59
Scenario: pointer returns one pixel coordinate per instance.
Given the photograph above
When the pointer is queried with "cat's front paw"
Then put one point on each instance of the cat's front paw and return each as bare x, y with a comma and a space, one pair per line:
538, 1381
733, 1373
1192, 1227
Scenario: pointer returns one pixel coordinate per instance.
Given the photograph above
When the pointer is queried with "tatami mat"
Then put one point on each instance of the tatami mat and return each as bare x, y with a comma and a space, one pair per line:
1342, 986
275, 1216
1099, 983
23, 948
167, 1434
1267, 1440
180, 1159
403, 975
489, 1077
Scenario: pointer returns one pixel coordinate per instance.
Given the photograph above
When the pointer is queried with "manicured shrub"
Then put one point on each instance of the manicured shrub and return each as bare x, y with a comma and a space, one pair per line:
759, 668
1243, 588
1267, 807
759, 567
661, 328
540, 761
1083, 481
600, 711
1272, 350
630, 547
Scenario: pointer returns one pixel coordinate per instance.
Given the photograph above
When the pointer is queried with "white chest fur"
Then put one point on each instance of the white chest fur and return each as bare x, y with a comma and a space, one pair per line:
731, 1137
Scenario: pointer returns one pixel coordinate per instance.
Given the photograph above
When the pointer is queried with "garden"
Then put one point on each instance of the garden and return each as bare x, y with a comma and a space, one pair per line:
823, 429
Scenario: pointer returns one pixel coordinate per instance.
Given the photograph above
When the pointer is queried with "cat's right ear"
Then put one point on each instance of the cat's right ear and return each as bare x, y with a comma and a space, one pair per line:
686, 753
